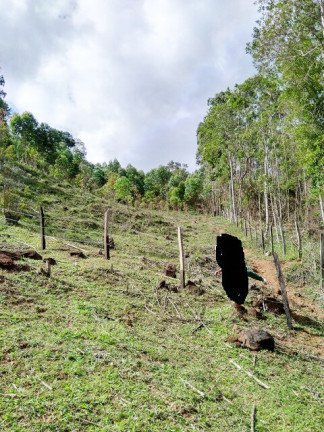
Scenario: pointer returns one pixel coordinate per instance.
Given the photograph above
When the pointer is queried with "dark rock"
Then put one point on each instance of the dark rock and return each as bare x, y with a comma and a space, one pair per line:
8, 258
187, 255
271, 304
51, 261
111, 243
170, 270
254, 313
77, 254
11, 217
169, 287
194, 289
256, 339
31, 255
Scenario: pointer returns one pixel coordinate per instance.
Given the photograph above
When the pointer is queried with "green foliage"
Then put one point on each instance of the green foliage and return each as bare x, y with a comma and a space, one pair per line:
123, 189
156, 182
193, 188
4, 108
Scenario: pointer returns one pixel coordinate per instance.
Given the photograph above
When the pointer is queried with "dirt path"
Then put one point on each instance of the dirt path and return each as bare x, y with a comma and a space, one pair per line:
305, 310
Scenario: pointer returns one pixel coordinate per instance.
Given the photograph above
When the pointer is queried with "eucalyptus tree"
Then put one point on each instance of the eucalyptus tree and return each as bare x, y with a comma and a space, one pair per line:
288, 43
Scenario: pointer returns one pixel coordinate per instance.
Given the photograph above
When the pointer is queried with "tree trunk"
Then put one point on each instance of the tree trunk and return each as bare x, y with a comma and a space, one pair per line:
266, 198
321, 5
321, 206
232, 190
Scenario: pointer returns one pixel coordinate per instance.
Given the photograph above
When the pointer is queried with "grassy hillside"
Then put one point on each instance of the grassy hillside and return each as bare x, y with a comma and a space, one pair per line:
97, 347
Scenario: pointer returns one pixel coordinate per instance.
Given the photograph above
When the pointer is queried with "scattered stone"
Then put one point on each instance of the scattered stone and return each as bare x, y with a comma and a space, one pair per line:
207, 260
23, 345
254, 313
51, 261
194, 289
8, 258
31, 254
77, 254
255, 340
170, 270
12, 218
111, 243
169, 287
270, 304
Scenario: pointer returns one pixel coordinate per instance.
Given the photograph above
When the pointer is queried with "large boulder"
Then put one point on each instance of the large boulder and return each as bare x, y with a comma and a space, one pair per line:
254, 339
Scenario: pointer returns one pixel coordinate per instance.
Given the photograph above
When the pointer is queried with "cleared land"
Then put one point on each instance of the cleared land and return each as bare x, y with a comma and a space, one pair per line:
96, 347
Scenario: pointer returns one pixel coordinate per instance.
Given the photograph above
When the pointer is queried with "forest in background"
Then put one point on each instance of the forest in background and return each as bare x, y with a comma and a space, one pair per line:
260, 146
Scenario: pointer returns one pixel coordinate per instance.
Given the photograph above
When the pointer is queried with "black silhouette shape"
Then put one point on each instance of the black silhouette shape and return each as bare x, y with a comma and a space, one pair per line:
230, 257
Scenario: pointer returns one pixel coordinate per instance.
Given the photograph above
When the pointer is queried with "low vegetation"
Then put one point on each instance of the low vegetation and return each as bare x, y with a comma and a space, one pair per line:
97, 347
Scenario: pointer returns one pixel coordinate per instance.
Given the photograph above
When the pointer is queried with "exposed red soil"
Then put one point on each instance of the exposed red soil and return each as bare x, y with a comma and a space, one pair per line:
304, 310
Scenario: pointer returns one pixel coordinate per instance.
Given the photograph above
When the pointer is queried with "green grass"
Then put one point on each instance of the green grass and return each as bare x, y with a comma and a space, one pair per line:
97, 348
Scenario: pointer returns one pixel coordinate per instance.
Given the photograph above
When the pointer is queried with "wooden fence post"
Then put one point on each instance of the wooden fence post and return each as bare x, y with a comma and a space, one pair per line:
42, 228
322, 259
299, 240
181, 256
283, 290
106, 237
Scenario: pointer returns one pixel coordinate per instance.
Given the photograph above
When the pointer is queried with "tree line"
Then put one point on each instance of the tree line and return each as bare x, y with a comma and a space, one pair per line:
260, 145
263, 140
57, 153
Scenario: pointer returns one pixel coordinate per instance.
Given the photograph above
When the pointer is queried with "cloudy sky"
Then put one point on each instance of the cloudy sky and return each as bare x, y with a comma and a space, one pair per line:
130, 78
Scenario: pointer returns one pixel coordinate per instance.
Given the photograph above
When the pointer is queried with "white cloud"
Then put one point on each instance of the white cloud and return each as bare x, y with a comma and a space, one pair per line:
131, 78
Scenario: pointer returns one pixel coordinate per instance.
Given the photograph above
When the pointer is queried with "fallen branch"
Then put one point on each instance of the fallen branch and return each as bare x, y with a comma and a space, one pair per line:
176, 308
88, 422
12, 395
67, 244
197, 328
44, 384
202, 394
227, 400
249, 374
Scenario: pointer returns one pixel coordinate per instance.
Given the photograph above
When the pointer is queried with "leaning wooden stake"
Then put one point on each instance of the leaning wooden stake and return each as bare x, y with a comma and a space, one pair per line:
42, 228
322, 259
283, 290
182, 273
253, 418
48, 268
106, 237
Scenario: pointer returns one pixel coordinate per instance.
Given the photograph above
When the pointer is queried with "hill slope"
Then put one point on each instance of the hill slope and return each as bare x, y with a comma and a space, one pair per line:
97, 347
